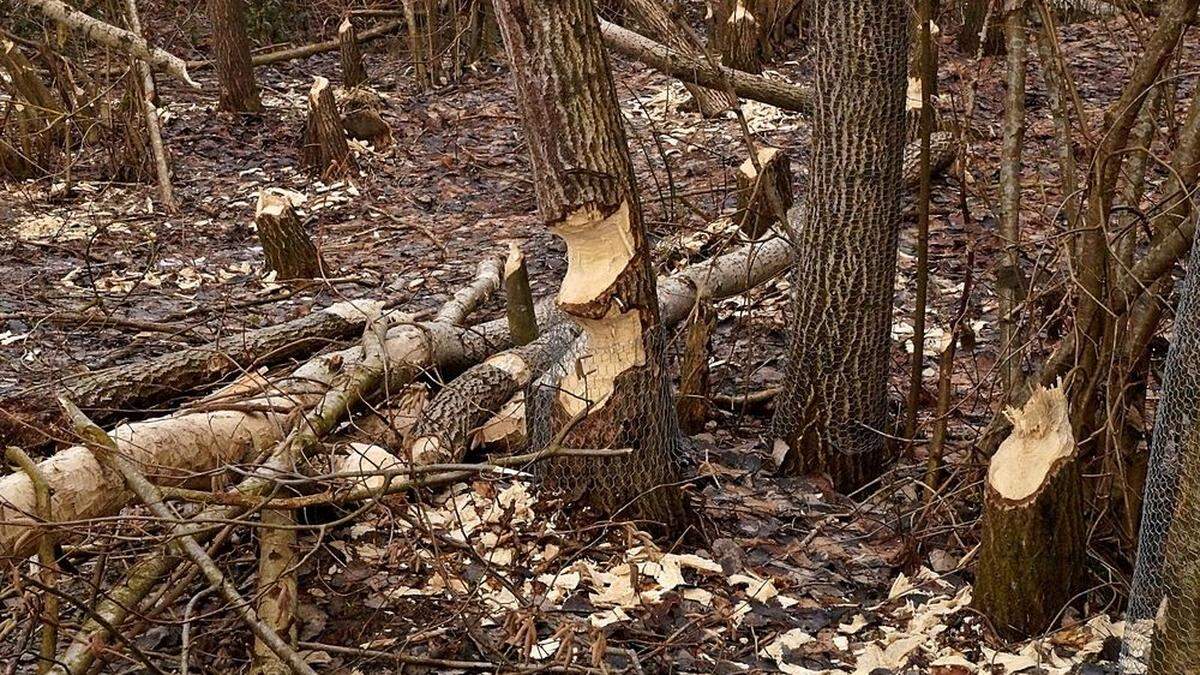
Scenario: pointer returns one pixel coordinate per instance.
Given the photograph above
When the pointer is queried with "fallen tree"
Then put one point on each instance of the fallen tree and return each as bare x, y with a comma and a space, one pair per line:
112, 37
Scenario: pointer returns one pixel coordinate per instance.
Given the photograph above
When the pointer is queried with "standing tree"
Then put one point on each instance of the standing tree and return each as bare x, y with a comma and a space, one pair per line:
616, 393
231, 47
833, 409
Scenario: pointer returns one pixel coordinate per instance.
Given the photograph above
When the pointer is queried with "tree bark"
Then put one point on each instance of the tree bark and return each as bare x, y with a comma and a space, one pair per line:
287, 247
699, 71
353, 73
657, 22
231, 52
833, 410
738, 32
693, 404
324, 150
585, 190
518, 298
1032, 555
978, 16
1009, 278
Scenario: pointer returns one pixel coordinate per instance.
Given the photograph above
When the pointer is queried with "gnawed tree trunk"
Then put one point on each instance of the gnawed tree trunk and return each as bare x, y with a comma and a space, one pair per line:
324, 150
353, 73
112, 37
32, 418
287, 247
693, 404
833, 410
585, 189
737, 32
656, 20
700, 71
1031, 557
231, 52
760, 200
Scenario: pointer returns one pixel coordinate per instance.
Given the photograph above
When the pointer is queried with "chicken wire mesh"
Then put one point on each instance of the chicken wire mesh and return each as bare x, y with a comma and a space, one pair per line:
1163, 618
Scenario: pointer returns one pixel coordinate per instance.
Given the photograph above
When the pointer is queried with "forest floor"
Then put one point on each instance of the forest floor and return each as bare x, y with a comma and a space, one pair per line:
780, 573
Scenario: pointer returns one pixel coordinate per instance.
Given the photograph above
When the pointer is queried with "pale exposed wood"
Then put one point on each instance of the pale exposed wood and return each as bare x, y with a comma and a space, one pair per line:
759, 195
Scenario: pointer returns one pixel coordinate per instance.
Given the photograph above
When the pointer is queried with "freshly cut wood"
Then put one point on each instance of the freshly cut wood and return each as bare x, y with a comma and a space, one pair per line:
231, 49
324, 150
518, 298
698, 71
353, 73
288, 248
693, 404
658, 23
114, 38
31, 418
738, 33
359, 109
763, 198
1032, 555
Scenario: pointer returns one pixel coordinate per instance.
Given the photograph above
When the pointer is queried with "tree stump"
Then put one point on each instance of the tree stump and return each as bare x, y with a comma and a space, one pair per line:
324, 151
353, 73
359, 110
738, 32
693, 404
287, 247
1032, 551
760, 202
518, 299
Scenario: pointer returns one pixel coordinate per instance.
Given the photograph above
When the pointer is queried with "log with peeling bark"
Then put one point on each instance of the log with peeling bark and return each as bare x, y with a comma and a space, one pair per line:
289, 250
323, 147
112, 37
658, 23
760, 196
1032, 554
353, 73
701, 71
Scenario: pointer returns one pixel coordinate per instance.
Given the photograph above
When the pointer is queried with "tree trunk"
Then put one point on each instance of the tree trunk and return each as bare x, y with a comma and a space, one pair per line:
353, 73
759, 200
287, 247
832, 412
518, 298
1032, 555
975, 14
324, 151
231, 51
738, 32
693, 404
616, 393
657, 22
162, 170
1009, 278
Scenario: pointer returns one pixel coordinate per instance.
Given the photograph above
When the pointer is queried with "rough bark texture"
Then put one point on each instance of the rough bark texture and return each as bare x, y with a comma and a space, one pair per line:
32, 418
656, 21
1009, 278
324, 150
585, 191
231, 52
834, 407
693, 404
700, 71
760, 200
975, 14
737, 32
353, 73
287, 247
1031, 557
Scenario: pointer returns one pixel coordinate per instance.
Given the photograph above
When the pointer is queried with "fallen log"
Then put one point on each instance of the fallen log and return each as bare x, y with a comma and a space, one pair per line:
112, 37
306, 51
32, 417
701, 72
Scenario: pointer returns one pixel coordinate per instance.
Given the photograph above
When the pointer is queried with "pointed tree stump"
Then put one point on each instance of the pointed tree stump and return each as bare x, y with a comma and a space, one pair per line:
737, 30
287, 247
1031, 558
324, 151
693, 404
518, 299
760, 202
353, 73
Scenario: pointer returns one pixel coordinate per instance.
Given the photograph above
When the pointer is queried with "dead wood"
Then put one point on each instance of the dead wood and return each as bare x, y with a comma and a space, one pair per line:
323, 150
761, 196
518, 298
360, 110
353, 73
288, 248
692, 403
